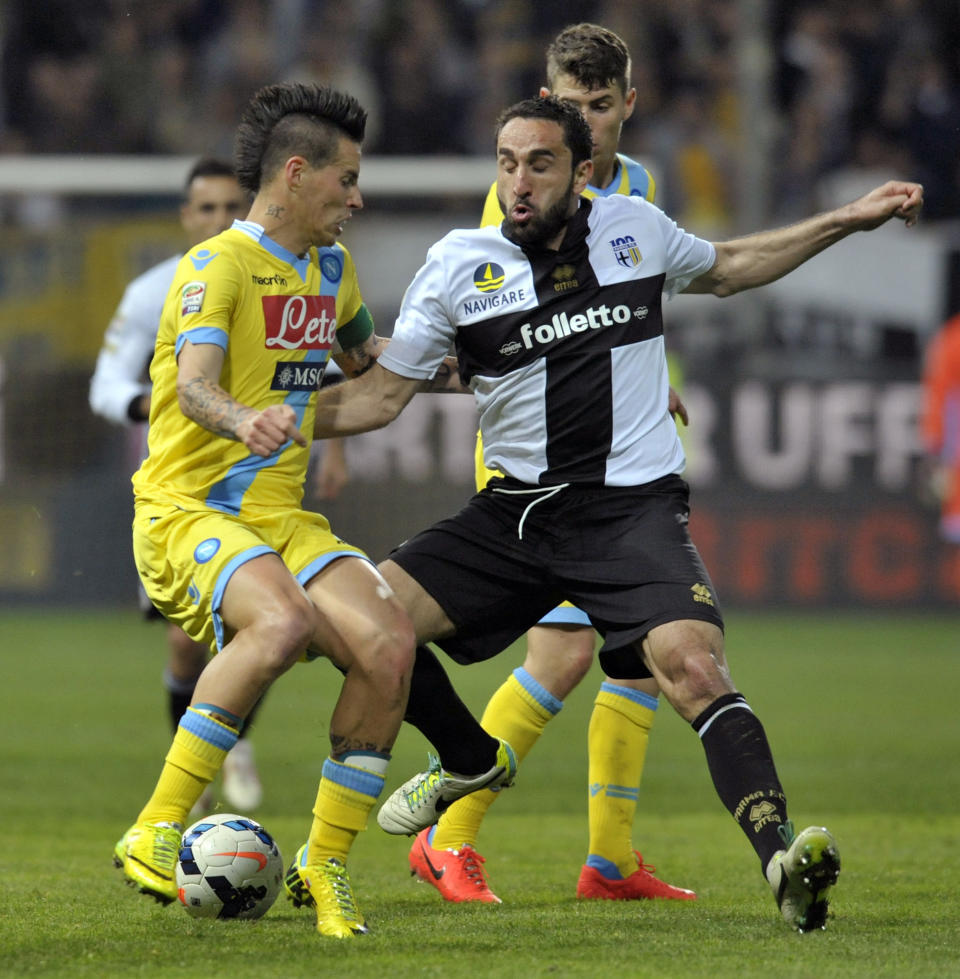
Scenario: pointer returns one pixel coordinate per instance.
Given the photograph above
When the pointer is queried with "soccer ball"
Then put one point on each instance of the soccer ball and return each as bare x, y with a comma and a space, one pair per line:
229, 867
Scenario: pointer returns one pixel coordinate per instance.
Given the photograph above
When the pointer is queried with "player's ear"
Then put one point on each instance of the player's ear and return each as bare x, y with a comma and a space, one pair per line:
294, 170
582, 173
629, 103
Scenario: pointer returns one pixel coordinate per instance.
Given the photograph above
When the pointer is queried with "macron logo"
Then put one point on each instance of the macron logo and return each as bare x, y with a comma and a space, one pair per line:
594, 318
203, 258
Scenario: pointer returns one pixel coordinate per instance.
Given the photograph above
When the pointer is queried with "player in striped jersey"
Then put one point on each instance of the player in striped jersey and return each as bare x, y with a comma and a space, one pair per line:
588, 67
572, 388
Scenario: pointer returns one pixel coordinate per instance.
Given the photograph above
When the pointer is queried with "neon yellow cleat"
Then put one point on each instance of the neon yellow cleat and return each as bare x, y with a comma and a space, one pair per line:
337, 913
147, 853
295, 881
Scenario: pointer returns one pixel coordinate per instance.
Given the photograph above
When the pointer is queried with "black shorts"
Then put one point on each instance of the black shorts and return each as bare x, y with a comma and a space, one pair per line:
622, 554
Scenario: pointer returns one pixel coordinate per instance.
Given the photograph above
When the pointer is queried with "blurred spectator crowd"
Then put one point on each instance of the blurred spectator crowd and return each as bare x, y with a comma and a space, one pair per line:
854, 86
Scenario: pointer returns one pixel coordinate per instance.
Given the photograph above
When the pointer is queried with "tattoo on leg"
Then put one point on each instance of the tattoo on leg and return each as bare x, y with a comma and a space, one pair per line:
339, 745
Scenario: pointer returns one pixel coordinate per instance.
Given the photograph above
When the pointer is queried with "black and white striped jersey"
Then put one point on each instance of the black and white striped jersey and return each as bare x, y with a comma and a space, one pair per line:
562, 349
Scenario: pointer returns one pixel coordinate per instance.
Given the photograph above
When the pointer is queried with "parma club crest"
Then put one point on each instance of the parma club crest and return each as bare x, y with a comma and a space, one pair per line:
627, 251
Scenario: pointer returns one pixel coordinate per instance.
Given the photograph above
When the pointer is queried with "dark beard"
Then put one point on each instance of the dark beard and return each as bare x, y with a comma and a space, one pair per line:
540, 228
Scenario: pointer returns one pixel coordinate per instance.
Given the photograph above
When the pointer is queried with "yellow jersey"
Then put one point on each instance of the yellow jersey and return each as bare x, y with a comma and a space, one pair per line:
276, 316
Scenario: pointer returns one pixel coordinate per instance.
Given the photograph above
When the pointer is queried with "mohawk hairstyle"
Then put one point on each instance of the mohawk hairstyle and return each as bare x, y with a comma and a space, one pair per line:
289, 119
593, 55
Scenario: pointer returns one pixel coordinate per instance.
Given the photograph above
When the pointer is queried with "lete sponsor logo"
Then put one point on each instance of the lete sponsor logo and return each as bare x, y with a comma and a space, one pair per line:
300, 322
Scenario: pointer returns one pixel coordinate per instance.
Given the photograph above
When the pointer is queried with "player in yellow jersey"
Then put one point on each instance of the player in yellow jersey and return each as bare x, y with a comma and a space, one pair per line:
118, 391
588, 66
222, 544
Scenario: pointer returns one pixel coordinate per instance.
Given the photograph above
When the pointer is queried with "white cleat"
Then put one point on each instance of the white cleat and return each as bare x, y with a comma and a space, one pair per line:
801, 876
421, 800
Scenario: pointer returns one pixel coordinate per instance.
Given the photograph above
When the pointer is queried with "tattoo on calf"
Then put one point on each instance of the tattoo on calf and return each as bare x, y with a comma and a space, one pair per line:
340, 745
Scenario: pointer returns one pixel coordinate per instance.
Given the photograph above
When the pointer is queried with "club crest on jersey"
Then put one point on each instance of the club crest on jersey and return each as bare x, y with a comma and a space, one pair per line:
191, 297
206, 549
331, 267
299, 322
626, 251
488, 277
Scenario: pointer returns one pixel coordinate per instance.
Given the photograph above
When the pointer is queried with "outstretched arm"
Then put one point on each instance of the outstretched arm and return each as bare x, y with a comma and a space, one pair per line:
755, 260
367, 402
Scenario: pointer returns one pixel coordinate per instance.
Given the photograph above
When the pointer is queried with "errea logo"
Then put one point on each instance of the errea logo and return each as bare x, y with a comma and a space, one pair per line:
561, 325
701, 593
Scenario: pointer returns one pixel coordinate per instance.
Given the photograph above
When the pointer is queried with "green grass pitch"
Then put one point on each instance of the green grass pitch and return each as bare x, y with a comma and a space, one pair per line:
861, 710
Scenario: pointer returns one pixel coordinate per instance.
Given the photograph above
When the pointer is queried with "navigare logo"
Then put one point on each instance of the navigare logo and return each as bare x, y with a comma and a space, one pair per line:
300, 322
561, 325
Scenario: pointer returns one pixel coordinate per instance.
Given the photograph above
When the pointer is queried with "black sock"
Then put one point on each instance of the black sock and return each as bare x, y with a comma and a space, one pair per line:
743, 771
245, 728
437, 711
179, 695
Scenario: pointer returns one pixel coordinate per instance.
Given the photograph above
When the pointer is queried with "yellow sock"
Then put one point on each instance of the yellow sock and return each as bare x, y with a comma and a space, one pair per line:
518, 712
345, 797
617, 739
196, 755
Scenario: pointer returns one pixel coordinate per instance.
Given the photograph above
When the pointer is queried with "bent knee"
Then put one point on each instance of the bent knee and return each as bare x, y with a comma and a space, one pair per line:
395, 649
386, 658
284, 633
693, 679
559, 657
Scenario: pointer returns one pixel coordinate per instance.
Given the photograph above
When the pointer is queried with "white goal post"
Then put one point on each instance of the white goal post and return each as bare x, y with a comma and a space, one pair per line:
109, 175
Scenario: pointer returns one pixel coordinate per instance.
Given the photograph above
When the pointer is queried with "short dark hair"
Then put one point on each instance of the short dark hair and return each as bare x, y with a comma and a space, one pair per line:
576, 131
593, 55
293, 119
207, 166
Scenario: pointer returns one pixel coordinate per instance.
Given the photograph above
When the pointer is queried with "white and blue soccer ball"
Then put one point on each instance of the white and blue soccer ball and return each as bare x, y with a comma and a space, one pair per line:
229, 867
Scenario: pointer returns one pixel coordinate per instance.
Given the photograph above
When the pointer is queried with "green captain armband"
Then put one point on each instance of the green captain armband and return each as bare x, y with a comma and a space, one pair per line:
354, 333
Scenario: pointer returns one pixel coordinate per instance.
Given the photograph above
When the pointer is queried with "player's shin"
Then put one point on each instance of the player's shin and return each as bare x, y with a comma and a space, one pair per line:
741, 765
518, 712
196, 755
435, 709
618, 736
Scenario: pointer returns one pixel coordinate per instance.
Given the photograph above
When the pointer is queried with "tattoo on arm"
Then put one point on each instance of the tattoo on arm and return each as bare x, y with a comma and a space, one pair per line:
358, 360
441, 380
447, 379
210, 406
